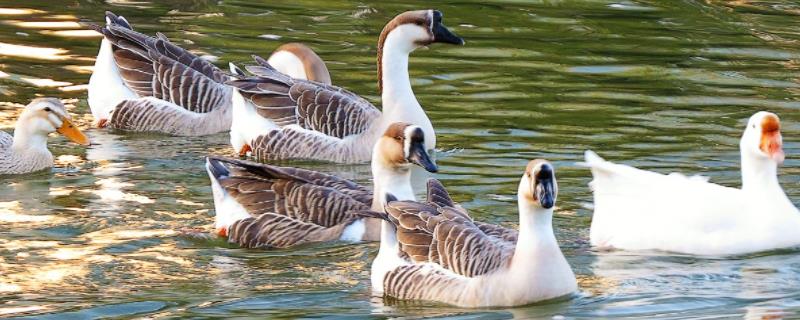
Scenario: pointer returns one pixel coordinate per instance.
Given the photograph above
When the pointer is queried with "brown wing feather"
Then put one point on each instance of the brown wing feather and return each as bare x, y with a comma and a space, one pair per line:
272, 230
453, 240
155, 67
305, 195
327, 109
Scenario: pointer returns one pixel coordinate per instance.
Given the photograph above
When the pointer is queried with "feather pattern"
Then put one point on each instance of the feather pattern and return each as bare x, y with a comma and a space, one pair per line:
290, 205
326, 109
21, 161
153, 67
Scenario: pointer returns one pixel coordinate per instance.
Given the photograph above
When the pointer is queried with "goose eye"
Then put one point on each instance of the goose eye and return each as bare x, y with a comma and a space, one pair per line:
47, 109
398, 138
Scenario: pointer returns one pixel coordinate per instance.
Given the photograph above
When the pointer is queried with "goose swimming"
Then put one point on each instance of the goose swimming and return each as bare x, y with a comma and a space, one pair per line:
260, 205
279, 117
300, 62
642, 210
148, 84
434, 251
27, 151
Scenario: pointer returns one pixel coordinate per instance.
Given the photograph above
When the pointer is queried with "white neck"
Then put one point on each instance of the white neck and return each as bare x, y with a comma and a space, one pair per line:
760, 180
536, 237
759, 173
27, 139
397, 95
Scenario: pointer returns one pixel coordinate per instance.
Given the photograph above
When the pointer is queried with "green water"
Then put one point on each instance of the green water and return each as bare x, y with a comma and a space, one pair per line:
664, 85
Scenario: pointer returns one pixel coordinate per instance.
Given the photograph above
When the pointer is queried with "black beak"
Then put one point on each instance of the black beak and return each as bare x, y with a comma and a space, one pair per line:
544, 187
441, 33
417, 155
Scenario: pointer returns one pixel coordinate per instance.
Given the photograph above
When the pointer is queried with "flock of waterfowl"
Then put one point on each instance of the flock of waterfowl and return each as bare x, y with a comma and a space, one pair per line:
285, 107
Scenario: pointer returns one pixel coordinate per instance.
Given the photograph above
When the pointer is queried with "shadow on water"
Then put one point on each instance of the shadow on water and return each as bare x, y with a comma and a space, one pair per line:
661, 85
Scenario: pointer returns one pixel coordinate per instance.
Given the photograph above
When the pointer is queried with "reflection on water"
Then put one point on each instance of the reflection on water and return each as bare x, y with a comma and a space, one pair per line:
661, 85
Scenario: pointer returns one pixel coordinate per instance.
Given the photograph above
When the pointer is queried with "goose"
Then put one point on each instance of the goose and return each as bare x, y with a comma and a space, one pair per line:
434, 251
148, 84
260, 205
276, 116
642, 210
300, 62
26, 151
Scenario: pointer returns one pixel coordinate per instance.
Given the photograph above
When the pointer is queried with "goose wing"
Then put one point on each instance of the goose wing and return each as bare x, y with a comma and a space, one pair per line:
302, 195
326, 109
438, 195
6, 140
446, 236
273, 230
154, 67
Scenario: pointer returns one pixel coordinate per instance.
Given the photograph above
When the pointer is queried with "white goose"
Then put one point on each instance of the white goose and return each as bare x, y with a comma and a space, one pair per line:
146, 84
259, 205
277, 117
27, 150
642, 210
434, 251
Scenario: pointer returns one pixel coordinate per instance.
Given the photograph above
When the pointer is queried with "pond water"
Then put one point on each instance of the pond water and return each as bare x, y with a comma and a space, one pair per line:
663, 85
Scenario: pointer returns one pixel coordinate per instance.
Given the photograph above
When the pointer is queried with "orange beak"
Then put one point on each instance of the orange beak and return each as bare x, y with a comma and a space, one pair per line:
222, 232
71, 132
771, 139
245, 149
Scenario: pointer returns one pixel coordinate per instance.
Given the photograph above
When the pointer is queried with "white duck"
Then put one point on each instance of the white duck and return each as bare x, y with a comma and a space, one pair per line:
642, 210
27, 150
434, 251
277, 117
260, 205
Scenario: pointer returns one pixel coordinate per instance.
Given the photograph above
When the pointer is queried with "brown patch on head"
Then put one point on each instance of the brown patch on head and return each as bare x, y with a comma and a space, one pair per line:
530, 172
771, 142
392, 144
418, 17
313, 65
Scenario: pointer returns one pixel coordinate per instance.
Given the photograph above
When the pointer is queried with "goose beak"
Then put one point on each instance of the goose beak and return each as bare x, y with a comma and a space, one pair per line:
544, 187
418, 155
72, 133
771, 139
441, 33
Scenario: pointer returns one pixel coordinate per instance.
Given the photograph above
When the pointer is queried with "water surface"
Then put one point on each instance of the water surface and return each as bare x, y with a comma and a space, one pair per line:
666, 86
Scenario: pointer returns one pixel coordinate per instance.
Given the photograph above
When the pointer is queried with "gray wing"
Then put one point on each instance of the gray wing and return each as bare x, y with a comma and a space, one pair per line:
448, 237
6, 140
271, 230
326, 109
303, 195
154, 67
424, 283
153, 115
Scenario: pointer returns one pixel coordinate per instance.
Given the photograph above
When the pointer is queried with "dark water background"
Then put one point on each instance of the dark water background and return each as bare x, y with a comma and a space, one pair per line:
664, 85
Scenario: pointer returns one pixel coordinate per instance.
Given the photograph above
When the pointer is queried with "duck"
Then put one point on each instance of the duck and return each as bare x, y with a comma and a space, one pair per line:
636, 209
265, 206
434, 251
26, 151
148, 84
279, 117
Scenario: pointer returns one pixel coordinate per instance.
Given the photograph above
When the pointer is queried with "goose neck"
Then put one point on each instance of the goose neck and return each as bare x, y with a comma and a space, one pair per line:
396, 92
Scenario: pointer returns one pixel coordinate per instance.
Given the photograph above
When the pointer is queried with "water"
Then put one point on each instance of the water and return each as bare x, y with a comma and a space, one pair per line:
661, 85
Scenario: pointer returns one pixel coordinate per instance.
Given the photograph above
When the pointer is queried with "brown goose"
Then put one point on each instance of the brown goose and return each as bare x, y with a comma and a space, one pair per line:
434, 251
259, 205
27, 150
278, 117
148, 84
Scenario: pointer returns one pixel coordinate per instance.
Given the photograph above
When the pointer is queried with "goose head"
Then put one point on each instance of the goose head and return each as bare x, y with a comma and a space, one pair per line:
44, 116
411, 30
299, 61
538, 187
402, 145
762, 138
